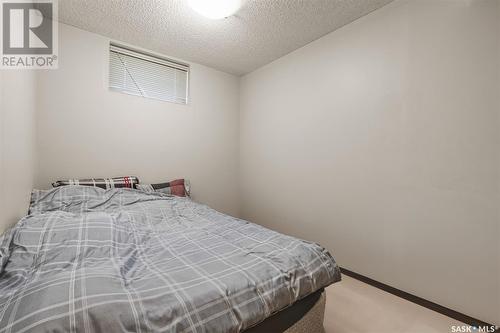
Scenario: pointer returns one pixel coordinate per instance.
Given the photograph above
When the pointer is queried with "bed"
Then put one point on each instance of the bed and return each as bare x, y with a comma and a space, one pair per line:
87, 259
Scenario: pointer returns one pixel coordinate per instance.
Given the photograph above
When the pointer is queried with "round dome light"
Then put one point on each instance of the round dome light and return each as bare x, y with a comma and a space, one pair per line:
215, 9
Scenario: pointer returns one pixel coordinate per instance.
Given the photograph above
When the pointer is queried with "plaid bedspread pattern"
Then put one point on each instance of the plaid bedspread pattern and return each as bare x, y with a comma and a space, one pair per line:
104, 183
93, 260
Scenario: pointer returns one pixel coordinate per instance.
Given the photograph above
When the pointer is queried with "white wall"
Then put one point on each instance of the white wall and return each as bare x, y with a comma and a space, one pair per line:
85, 130
17, 154
381, 142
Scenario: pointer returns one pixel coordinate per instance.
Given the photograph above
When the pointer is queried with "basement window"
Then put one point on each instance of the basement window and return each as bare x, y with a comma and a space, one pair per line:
143, 74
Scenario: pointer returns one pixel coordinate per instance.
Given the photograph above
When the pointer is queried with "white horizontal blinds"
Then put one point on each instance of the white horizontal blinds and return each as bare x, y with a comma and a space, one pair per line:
144, 75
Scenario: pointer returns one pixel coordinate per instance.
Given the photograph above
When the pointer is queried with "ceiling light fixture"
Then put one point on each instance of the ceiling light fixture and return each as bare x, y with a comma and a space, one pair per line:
215, 9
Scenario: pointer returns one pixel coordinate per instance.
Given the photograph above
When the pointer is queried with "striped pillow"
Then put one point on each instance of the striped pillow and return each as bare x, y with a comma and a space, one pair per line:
178, 187
105, 183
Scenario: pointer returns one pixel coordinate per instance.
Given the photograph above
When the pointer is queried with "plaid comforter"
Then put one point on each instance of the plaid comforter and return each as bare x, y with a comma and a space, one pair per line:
94, 260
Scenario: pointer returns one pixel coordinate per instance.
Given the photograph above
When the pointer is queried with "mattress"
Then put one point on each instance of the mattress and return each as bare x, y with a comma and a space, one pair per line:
92, 260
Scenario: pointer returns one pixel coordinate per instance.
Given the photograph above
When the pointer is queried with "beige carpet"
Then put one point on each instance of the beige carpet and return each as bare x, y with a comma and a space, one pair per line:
355, 307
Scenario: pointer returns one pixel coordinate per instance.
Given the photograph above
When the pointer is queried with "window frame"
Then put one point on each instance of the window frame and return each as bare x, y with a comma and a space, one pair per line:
152, 57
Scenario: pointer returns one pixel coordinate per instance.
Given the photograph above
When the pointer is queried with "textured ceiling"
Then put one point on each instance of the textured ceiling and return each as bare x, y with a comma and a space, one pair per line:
262, 31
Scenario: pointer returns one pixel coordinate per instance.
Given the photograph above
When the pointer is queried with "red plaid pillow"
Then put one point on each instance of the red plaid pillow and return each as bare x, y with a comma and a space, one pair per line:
178, 187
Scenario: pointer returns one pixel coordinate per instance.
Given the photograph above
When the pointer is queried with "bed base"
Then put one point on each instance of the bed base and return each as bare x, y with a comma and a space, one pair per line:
305, 316
312, 322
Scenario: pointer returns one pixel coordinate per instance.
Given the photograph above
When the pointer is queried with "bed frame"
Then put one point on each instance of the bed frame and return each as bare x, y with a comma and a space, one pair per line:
305, 316
313, 320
